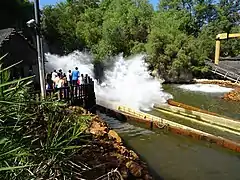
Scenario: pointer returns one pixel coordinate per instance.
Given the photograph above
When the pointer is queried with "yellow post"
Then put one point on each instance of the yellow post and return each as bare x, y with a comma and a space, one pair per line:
217, 51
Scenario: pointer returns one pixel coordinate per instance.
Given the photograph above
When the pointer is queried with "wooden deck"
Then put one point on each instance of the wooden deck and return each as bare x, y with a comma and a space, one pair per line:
81, 95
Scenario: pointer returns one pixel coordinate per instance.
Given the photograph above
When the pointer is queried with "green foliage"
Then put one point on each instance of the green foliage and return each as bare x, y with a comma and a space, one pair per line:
125, 25
37, 139
178, 37
104, 27
171, 50
183, 35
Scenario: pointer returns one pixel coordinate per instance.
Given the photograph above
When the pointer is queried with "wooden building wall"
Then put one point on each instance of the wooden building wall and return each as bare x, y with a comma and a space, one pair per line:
19, 49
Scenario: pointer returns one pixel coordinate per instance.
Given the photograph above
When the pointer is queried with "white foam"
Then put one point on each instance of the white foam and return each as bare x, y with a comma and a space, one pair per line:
208, 88
127, 83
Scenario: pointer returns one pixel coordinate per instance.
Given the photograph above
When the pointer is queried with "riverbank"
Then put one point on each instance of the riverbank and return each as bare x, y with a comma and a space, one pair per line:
54, 141
107, 149
233, 95
223, 83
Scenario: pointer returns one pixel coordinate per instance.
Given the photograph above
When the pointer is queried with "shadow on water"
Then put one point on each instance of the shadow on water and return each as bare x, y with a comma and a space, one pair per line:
175, 157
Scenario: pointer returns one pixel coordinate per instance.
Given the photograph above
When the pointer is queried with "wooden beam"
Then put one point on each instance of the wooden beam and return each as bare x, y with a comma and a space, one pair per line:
227, 36
217, 52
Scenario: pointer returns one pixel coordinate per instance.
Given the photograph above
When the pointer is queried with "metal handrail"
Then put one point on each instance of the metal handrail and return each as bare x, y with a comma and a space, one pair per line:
233, 76
218, 66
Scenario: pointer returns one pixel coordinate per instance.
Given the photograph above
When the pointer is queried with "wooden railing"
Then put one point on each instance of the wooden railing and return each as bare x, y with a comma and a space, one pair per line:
79, 95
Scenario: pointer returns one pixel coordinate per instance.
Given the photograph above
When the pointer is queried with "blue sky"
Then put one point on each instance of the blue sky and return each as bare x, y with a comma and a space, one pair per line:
48, 2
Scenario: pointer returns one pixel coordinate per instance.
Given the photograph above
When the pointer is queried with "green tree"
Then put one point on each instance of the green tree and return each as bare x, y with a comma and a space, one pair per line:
172, 51
125, 27
177, 37
15, 13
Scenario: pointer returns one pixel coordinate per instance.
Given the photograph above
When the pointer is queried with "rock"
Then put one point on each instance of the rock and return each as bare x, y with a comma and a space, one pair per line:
97, 129
147, 177
134, 168
113, 135
108, 149
133, 154
123, 150
116, 145
124, 172
233, 95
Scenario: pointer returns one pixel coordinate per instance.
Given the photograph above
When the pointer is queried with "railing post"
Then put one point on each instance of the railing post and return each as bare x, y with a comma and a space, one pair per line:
92, 97
225, 75
237, 79
217, 52
85, 92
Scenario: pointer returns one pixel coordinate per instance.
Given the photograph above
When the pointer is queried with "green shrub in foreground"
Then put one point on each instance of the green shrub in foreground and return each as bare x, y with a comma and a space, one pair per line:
36, 138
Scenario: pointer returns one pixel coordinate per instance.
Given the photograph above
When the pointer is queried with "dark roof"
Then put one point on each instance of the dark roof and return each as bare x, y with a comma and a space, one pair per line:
5, 33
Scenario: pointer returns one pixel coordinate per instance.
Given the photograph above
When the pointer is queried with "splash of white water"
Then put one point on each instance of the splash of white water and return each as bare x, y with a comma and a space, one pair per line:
127, 83
209, 88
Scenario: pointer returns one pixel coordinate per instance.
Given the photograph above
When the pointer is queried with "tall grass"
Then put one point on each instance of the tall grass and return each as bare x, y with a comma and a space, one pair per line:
37, 139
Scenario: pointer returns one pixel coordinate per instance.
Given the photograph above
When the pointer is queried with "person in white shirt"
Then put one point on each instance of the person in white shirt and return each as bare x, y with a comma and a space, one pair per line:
69, 77
54, 74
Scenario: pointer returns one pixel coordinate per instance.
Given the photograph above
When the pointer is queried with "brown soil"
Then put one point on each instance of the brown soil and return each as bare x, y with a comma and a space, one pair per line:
106, 152
188, 107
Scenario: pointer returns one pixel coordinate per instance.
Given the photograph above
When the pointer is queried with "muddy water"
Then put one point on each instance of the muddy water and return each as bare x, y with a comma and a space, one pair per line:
207, 101
175, 157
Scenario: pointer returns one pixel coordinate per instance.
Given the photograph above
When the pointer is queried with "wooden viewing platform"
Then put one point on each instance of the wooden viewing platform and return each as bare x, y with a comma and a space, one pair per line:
79, 95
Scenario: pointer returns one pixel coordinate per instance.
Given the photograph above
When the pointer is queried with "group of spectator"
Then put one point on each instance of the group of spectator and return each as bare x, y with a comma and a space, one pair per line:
58, 79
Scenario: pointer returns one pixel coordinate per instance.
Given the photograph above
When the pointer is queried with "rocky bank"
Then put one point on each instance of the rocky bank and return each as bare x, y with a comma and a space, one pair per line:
223, 83
233, 95
107, 154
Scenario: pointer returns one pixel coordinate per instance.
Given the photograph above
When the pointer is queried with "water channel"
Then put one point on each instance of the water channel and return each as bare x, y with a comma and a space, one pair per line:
210, 101
175, 157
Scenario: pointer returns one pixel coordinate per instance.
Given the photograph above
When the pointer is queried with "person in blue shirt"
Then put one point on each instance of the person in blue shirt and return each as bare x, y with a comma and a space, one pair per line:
75, 76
